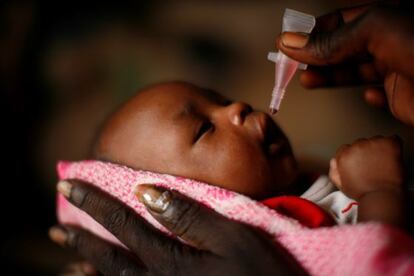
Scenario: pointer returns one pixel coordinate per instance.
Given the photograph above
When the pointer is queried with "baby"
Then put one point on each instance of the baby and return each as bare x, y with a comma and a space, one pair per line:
184, 130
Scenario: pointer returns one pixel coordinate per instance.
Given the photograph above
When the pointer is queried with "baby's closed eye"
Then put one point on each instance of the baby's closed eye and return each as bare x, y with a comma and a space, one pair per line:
205, 127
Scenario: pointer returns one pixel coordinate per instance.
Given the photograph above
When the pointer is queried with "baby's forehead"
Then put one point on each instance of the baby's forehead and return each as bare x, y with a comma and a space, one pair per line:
179, 91
152, 110
172, 96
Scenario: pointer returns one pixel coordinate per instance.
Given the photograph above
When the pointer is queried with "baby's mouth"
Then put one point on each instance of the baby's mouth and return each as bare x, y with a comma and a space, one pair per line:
272, 148
272, 143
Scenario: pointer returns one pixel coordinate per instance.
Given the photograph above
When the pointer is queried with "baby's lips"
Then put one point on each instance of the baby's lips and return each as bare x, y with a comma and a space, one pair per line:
276, 147
264, 124
256, 127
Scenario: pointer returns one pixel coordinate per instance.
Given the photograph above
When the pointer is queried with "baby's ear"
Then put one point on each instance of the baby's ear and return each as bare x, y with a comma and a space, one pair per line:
334, 173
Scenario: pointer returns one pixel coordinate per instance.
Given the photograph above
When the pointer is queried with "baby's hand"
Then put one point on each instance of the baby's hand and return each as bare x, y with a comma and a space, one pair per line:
368, 165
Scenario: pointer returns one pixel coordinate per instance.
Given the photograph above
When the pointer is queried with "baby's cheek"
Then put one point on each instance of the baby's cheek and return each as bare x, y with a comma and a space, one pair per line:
254, 181
238, 165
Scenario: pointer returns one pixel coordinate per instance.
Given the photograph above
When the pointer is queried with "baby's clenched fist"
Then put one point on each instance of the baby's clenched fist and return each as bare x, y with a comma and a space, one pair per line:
368, 165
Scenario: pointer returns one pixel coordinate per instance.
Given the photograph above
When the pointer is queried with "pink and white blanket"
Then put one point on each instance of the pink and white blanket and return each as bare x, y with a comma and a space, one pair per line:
361, 249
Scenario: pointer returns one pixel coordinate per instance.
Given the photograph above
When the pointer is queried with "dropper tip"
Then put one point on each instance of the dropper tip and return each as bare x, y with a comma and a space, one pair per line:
273, 111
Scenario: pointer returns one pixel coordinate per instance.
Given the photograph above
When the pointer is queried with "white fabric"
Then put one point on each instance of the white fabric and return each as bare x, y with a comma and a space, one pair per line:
325, 194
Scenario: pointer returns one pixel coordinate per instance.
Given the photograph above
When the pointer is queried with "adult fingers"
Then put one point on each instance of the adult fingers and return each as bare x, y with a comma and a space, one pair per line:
193, 222
79, 268
150, 245
230, 241
327, 48
324, 36
337, 36
400, 94
376, 97
331, 21
107, 258
340, 75
383, 34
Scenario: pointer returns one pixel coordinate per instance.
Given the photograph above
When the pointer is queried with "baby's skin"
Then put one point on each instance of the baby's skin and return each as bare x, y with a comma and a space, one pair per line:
371, 172
184, 130
181, 129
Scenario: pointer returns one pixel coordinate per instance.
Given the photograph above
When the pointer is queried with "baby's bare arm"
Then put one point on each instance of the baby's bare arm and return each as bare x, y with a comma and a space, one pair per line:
371, 172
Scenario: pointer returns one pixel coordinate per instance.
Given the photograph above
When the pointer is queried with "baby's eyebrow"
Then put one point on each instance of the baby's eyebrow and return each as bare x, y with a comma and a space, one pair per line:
216, 97
186, 110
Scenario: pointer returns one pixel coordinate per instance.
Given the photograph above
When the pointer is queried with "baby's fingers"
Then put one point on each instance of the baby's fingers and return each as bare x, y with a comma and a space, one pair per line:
334, 174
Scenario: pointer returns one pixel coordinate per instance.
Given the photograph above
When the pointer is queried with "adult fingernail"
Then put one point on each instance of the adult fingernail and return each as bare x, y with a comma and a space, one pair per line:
58, 235
154, 198
294, 40
64, 187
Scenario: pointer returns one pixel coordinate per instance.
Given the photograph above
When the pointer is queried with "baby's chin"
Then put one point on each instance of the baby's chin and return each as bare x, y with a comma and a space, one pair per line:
285, 175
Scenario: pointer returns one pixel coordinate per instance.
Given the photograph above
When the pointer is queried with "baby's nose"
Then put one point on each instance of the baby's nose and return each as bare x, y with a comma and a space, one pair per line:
237, 112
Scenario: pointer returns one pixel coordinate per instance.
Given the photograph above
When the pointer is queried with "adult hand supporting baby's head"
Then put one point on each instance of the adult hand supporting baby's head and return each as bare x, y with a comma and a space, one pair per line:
219, 246
370, 45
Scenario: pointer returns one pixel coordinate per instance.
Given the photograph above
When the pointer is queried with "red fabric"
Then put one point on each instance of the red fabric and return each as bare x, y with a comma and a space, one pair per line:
305, 211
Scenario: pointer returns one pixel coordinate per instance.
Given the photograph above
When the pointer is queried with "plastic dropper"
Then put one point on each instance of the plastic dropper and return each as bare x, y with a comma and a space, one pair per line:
293, 21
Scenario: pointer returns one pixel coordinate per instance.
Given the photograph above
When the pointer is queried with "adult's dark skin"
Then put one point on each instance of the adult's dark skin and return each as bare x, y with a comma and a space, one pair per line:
366, 45
218, 246
369, 45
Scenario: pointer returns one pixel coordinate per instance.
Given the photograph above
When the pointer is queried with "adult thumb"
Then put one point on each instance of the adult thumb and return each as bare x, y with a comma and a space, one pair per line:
347, 42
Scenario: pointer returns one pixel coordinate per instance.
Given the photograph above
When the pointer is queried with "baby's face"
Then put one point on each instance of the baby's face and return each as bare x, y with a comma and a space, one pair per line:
184, 130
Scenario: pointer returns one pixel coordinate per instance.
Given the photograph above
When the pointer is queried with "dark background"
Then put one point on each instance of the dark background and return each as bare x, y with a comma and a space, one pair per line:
65, 65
